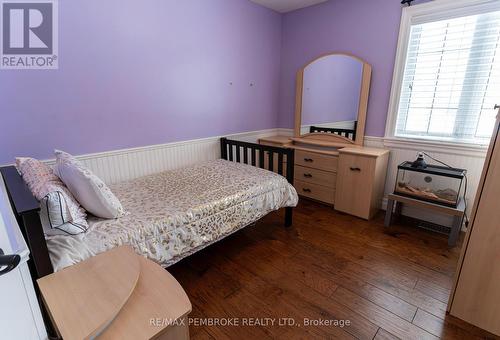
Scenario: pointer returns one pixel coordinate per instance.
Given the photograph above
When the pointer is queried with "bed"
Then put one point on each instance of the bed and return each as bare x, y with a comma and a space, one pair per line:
171, 214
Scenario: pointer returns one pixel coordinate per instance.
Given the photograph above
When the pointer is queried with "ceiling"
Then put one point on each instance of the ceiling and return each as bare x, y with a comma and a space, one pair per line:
284, 6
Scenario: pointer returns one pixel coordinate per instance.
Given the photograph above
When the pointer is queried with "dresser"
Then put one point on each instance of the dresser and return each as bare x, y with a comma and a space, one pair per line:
351, 178
331, 164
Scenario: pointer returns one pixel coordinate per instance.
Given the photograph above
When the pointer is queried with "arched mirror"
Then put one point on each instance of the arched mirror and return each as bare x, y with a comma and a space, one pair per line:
332, 97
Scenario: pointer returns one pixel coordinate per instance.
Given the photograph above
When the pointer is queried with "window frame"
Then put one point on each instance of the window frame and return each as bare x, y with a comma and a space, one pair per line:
423, 13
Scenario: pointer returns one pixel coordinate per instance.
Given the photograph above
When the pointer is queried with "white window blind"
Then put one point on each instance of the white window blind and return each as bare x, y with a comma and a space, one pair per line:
451, 80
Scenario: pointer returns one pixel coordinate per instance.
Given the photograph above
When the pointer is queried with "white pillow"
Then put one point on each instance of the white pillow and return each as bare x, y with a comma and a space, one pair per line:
55, 217
88, 189
60, 213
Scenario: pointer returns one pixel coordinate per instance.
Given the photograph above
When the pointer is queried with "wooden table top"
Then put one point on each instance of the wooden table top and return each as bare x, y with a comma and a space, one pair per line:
113, 295
157, 302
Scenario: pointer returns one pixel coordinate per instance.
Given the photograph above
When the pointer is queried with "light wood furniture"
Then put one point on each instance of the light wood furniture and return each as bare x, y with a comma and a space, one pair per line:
330, 167
361, 179
476, 295
350, 178
315, 175
457, 213
362, 105
116, 295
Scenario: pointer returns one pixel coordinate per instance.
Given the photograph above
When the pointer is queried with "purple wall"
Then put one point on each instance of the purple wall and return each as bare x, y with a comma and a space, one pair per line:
367, 29
134, 73
141, 73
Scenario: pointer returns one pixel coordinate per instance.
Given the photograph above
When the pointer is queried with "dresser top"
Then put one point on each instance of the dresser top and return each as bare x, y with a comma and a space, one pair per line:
363, 151
287, 141
277, 139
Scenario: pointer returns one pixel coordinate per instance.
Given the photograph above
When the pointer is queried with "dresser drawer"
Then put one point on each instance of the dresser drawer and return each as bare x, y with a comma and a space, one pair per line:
315, 191
315, 176
316, 160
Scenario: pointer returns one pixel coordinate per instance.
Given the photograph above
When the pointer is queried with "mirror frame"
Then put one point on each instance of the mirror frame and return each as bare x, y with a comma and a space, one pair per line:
363, 104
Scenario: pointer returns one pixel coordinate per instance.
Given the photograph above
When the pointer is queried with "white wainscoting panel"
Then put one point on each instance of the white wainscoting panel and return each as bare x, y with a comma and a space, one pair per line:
122, 165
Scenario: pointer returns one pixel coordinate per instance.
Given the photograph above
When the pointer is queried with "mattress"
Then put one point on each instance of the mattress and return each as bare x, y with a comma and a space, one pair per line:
173, 214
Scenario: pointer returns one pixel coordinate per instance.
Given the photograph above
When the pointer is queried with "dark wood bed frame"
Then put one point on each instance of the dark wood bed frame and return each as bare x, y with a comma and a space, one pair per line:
233, 150
26, 207
347, 133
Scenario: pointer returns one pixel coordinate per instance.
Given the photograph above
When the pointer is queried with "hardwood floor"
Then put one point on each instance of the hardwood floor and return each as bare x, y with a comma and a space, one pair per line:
328, 266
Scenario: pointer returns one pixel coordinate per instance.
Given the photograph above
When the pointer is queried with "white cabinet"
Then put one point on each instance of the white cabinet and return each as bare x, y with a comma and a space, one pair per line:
20, 316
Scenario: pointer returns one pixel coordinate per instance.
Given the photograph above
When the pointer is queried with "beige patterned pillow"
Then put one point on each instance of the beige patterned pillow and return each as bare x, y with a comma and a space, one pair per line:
92, 193
60, 213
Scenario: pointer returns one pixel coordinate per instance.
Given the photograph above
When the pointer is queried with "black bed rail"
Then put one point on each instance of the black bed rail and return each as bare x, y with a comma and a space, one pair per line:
257, 155
261, 156
26, 207
347, 133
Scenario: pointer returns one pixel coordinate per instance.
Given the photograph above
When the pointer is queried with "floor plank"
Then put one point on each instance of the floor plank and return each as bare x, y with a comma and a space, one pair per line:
431, 289
380, 316
358, 250
331, 264
382, 334
201, 335
302, 297
328, 266
440, 327
303, 269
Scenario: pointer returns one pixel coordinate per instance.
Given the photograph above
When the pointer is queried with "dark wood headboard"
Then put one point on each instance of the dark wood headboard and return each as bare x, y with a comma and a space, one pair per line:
347, 133
26, 207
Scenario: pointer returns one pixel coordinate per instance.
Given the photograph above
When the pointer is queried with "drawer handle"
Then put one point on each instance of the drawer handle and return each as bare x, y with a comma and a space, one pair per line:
308, 175
306, 190
309, 160
355, 169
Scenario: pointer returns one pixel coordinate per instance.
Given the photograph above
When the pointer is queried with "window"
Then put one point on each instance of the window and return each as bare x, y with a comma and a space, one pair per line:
451, 79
